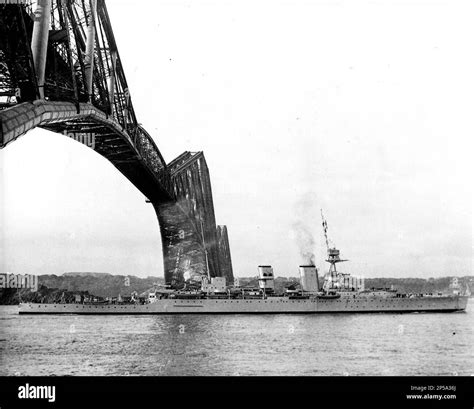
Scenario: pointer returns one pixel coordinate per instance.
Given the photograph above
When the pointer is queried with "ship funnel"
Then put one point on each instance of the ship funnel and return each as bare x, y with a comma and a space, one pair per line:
266, 280
309, 278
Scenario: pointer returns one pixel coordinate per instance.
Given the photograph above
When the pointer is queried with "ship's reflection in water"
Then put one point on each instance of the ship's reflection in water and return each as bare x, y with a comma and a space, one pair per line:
332, 344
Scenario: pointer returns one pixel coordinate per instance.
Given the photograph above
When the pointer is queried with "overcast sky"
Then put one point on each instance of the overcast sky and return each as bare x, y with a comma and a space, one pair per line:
362, 108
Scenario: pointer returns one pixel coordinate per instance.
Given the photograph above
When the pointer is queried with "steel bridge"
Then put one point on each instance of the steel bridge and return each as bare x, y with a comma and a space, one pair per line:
60, 70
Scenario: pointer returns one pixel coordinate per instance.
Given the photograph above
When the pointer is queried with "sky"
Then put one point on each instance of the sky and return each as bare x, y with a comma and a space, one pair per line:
360, 108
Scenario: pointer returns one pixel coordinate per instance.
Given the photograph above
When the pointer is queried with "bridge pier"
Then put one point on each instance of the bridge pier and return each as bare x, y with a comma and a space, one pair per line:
184, 252
192, 243
225, 260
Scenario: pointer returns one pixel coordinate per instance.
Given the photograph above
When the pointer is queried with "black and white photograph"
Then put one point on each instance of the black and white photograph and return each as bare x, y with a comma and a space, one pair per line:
251, 190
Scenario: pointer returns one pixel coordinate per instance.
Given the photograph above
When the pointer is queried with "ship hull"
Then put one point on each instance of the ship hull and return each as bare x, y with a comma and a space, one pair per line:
273, 305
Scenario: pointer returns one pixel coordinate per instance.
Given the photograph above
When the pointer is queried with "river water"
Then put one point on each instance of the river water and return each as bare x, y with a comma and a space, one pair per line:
326, 344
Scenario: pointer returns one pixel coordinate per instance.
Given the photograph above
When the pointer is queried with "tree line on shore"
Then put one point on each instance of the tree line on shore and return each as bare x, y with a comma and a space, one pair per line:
53, 288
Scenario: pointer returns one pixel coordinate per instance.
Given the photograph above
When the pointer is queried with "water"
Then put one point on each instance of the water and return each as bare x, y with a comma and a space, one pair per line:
329, 344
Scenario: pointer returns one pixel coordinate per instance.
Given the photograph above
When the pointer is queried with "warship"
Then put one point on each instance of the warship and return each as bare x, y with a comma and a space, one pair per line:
336, 292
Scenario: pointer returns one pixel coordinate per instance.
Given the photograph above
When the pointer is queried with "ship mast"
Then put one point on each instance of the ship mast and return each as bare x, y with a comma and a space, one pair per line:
333, 256
325, 227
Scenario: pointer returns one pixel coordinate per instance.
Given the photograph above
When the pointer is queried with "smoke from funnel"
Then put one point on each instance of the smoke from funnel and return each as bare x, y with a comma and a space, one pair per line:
308, 217
305, 242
